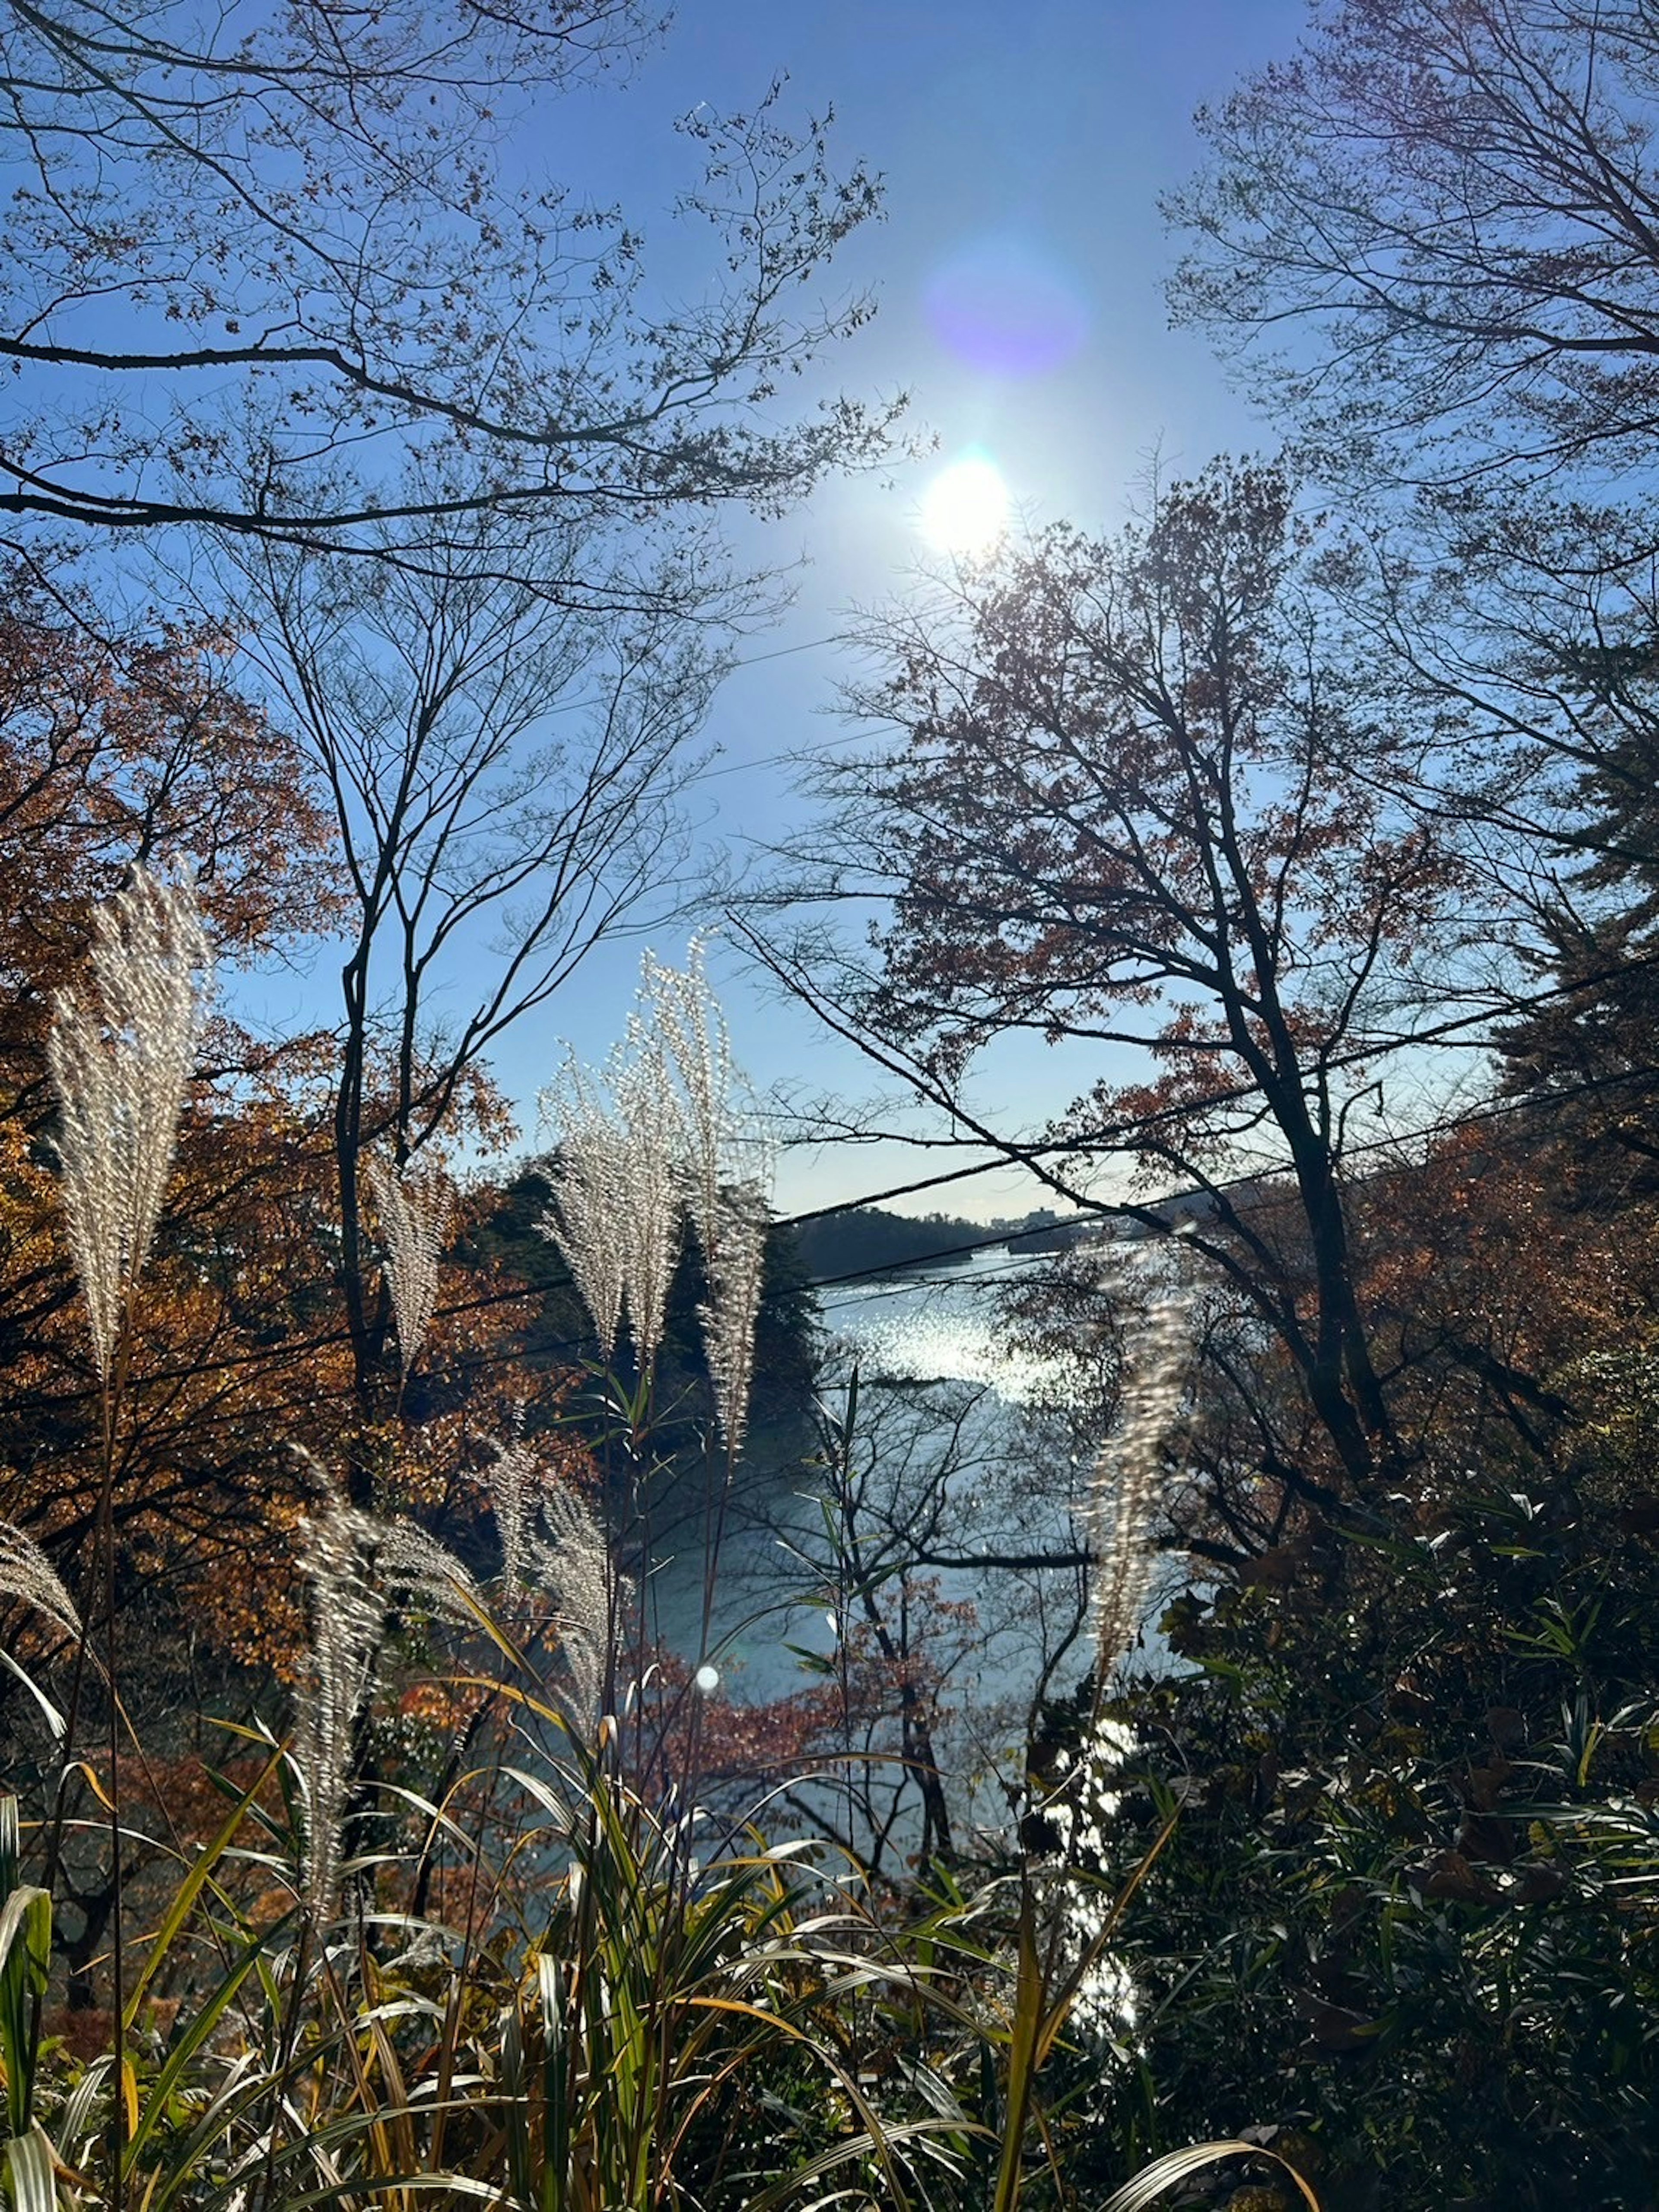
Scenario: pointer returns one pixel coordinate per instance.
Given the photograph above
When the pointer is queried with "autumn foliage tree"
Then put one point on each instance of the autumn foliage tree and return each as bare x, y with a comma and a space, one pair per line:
1429, 235
121, 750
297, 284
503, 768
112, 752
170, 1499
1140, 806
1427, 240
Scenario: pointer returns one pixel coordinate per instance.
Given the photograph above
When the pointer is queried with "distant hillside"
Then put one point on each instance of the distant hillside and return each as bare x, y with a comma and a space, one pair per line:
866, 1240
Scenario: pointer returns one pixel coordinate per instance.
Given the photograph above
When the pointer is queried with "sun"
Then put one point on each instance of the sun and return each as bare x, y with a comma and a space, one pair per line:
965, 510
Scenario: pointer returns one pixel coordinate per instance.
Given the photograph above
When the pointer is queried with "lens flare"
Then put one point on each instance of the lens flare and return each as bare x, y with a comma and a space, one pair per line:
965, 510
1006, 308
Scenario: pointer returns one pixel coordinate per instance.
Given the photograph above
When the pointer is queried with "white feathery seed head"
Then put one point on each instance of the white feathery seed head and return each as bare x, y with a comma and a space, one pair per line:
572, 1564
1128, 1475
735, 1260
353, 1563
28, 1577
514, 1476
663, 1131
414, 1564
728, 1172
414, 1219
347, 1621
649, 1111
619, 1146
551, 1535
589, 1180
120, 1061
684, 1015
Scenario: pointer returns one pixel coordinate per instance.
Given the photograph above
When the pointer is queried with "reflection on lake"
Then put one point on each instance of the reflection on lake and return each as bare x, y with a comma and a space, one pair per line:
946, 1460
939, 1323
953, 1507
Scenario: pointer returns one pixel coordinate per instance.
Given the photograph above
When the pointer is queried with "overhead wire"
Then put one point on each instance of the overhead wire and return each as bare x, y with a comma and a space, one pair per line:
1104, 1210
875, 1273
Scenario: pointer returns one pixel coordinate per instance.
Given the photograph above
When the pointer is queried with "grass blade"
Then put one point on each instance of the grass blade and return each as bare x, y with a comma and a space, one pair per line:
1139, 2194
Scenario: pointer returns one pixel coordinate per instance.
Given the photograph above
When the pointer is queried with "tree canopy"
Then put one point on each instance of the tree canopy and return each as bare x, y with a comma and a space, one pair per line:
258, 257
1432, 236
1137, 805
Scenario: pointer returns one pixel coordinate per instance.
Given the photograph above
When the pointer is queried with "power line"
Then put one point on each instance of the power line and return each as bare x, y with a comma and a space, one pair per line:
1106, 1209
1120, 1137
286, 1356
1494, 1111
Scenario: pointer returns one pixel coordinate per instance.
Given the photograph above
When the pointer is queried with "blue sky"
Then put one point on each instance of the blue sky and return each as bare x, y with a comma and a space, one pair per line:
1019, 274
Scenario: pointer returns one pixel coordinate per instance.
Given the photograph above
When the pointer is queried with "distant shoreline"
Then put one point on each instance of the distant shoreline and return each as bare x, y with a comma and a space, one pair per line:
866, 1242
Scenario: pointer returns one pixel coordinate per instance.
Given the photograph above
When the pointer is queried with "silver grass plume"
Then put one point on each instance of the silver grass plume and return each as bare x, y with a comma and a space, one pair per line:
119, 1065
346, 1626
1128, 1475
728, 1174
668, 1135
571, 1561
735, 1260
413, 1217
590, 1177
514, 1478
409, 1561
575, 1569
352, 1563
650, 1114
619, 1141
685, 1017
28, 1577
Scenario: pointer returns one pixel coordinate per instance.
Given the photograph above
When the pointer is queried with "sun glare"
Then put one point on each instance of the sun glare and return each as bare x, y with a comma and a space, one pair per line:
966, 508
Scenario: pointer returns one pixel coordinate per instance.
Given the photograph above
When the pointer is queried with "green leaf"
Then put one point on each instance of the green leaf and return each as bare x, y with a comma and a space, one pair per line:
31, 2175
25, 1963
26, 1937
190, 1888
157, 2103
1137, 2196
10, 1846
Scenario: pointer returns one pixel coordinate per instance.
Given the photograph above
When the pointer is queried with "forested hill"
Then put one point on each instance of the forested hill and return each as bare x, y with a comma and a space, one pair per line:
866, 1240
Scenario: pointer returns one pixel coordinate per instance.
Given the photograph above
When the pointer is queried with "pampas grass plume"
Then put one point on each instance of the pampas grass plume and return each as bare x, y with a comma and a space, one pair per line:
353, 1565
1128, 1476
727, 1196
590, 1180
413, 1220
571, 1561
734, 1256
119, 1063
659, 1135
575, 1569
28, 1577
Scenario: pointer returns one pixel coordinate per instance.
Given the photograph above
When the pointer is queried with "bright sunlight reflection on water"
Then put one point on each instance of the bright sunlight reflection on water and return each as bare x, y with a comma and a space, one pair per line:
956, 1347
944, 1326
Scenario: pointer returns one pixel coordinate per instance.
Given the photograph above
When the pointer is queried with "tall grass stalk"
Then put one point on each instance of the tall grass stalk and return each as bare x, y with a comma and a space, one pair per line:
663, 1136
120, 1061
1129, 1477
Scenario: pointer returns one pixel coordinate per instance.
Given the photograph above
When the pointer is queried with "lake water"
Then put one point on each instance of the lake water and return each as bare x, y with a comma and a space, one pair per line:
939, 1324
946, 1454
